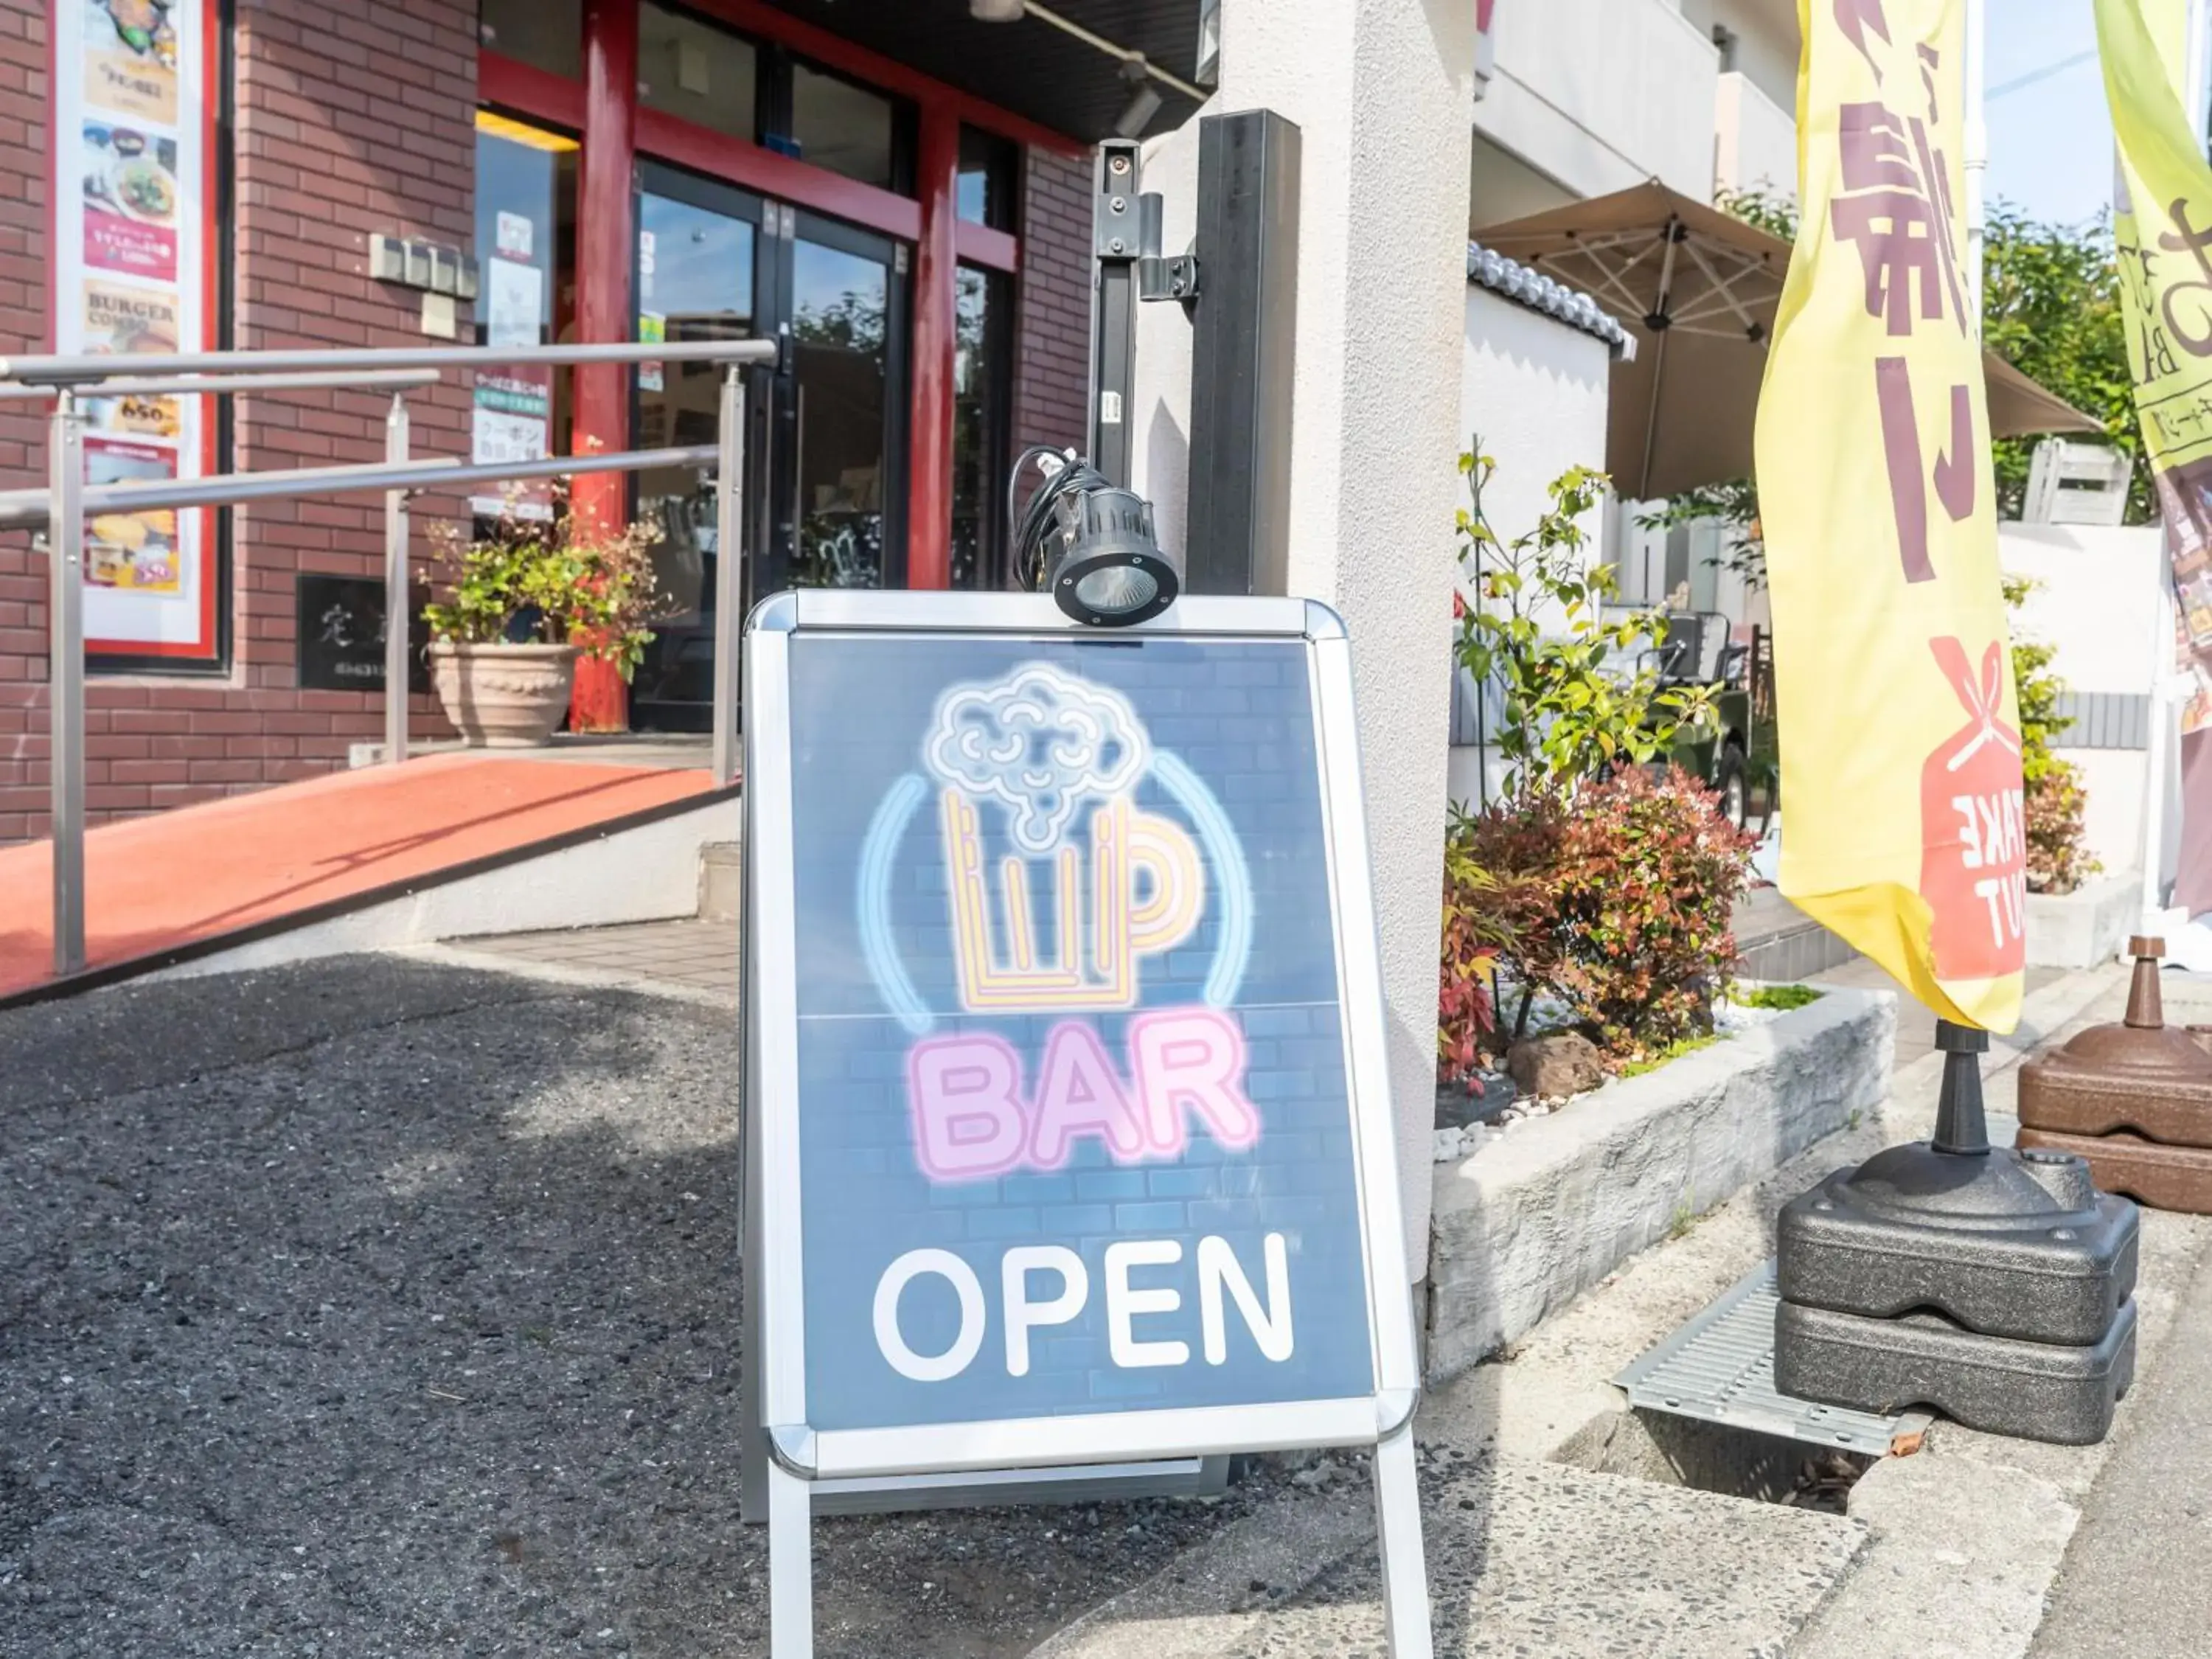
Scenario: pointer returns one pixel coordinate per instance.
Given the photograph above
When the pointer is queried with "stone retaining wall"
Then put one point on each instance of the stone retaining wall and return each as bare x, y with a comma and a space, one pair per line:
1541, 1214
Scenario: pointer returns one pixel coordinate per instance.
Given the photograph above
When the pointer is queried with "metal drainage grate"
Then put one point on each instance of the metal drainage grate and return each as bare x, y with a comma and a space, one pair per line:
1719, 1368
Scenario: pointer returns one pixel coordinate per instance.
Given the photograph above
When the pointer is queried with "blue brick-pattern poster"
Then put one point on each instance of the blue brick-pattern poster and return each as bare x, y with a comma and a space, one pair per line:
1075, 1135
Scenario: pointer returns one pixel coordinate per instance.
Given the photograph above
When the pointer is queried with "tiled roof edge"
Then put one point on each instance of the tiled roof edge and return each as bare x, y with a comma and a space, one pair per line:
1514, 281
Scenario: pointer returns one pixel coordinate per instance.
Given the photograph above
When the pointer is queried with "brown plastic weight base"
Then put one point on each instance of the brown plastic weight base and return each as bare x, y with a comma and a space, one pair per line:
2141, 1076
2162, 1177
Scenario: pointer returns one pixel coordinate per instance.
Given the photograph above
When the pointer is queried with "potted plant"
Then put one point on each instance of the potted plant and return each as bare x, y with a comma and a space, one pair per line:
532, 592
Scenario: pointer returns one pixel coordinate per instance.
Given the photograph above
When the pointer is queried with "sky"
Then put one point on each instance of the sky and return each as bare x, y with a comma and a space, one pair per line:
2050, 142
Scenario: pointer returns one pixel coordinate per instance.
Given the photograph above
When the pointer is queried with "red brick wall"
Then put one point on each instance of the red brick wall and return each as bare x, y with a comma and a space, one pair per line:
349, 120
1052, 344
320, 163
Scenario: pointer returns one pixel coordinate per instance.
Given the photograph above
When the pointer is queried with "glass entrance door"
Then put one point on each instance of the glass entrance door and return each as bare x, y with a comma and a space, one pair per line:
826, 448
699, 277
839, 505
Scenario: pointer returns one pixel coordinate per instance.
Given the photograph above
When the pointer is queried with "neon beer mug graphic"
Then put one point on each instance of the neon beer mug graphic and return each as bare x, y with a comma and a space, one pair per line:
1088, 893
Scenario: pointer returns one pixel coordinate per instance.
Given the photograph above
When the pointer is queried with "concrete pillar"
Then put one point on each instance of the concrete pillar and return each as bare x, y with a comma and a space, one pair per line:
1382, 92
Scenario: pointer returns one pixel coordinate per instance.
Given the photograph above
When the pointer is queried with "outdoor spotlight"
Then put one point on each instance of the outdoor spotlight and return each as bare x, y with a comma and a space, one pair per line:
1090, 543
1144, 98
996, 11
1100, 562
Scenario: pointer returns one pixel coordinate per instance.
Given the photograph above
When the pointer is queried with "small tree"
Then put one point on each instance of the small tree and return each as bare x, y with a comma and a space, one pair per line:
1581, 694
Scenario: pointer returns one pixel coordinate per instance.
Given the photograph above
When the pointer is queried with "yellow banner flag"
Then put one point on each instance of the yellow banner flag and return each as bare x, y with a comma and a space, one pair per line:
1902, 819
2162, 237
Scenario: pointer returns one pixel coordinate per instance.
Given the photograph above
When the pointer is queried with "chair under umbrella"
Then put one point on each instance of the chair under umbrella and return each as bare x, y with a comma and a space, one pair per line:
1697, 290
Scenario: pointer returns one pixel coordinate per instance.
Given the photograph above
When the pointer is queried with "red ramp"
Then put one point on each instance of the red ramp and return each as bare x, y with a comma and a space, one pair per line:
186, 882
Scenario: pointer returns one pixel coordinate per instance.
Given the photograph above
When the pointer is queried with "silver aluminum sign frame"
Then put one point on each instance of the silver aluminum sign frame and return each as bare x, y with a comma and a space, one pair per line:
774, 1260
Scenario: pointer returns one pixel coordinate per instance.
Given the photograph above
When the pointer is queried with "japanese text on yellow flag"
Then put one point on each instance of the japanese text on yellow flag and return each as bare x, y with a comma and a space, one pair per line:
1902, 811
2162, 234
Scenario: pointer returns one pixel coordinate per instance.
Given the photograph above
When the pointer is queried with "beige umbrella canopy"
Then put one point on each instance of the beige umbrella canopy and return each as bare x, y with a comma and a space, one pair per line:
1697, 290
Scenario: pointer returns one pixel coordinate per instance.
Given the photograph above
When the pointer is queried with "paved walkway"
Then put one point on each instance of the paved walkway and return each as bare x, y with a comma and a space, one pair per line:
693, 956
1915, 1025
2136, 1583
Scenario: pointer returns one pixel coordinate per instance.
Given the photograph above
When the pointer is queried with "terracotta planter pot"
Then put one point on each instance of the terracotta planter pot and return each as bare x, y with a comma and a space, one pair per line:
504, 696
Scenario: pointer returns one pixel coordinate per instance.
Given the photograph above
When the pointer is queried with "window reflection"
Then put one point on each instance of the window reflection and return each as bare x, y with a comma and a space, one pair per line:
691, 68
524, 205
845, 128
979, 425
840, 305
546, 35
695, 282
987, 179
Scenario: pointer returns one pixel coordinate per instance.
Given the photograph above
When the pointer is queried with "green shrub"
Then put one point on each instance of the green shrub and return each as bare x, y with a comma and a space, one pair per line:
1618, 900
1573, 708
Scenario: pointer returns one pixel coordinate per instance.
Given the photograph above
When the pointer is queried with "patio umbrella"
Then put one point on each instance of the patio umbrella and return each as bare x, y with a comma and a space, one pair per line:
1697, 290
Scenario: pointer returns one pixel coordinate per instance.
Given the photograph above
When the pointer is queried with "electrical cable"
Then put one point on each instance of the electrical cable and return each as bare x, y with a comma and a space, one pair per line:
1031, 527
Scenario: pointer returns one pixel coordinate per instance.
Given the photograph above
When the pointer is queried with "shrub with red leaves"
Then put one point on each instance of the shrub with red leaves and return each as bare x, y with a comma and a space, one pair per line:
1618, 898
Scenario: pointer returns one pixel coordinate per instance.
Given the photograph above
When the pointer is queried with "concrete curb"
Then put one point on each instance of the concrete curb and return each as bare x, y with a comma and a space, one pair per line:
1511, 1237
2083, 928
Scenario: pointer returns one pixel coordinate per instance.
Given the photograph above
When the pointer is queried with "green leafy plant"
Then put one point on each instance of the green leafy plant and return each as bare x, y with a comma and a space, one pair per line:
1658, 1057
1619, 898
2050, 307
1781, 997
533, 578
1474, 934
1581, 695
2058, 860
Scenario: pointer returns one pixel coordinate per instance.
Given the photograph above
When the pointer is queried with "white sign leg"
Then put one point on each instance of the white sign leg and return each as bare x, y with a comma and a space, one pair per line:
791, 1567
1405, 1574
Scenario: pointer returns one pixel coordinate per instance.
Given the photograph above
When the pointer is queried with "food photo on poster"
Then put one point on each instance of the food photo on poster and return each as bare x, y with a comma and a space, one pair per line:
130, 202
132, 550
130, 63
1074, 1117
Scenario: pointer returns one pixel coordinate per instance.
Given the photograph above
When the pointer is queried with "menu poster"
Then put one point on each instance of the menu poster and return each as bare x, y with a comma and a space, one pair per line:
136, 551
131, 198
514, 413
130, 202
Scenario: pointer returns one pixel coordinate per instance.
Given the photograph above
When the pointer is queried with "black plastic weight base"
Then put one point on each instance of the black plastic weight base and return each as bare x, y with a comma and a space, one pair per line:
2032, 1390
2005, 1244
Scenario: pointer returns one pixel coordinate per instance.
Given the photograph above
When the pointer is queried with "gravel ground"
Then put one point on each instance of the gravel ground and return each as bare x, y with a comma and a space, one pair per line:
380, 1309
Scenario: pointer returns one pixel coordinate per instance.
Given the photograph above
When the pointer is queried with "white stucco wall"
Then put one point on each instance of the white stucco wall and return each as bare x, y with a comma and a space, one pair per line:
1754, 140
2097, 603
1766, 40
1601, 94
1381, 93
1533, 391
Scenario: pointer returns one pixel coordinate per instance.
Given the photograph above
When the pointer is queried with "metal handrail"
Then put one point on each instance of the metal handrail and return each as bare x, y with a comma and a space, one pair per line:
28, 508
223, 386
79, 368
64, 504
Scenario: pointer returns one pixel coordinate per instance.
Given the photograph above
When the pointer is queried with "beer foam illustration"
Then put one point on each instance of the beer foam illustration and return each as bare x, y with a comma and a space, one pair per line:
1039, 744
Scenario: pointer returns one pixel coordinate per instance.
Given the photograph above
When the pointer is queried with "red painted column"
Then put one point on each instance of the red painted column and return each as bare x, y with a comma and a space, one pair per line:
605, 240
929, 490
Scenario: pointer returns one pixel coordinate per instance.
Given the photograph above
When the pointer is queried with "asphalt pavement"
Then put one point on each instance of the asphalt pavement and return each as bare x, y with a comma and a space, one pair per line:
377, 1309
2137, 1581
